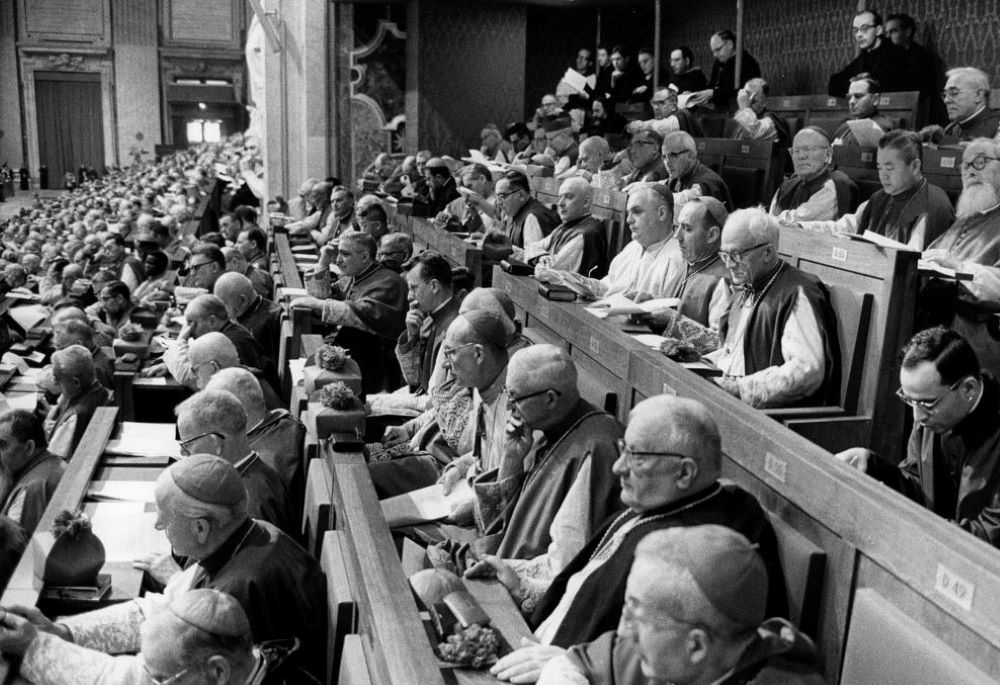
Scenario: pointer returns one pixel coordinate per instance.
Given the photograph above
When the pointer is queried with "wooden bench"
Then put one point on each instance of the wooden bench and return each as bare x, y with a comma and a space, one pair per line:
750, 168
943, 168
391, 638
829, 113
871, 536
859, 164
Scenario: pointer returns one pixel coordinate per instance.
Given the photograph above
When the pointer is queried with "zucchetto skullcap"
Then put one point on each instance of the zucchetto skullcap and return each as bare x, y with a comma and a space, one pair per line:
214, 612
209, 480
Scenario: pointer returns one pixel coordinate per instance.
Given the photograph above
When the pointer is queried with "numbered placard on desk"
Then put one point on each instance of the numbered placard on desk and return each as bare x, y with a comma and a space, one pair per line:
954, 587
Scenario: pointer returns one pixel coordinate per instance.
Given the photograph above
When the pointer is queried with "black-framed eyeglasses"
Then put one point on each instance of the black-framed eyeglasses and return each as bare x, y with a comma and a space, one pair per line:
737, 256
514, 399
928, 406
186, 444
504, 196
637, 459
952, 93
978, 162
862, 29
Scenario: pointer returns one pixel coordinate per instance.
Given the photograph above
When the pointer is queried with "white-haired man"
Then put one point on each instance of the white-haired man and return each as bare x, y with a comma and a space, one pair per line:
779, 339
972, 245
966, 98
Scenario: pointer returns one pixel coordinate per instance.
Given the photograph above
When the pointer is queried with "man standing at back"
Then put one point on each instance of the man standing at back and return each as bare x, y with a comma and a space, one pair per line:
878, 57
722, 90
687, 77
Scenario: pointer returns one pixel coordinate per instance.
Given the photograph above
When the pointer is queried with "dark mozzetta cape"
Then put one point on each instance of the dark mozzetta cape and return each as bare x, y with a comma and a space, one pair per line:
983, 125
762, 338
279, 585
711, 184
594, 262
895, 216
695, 290
798, 190
598, 604
523, 531
546, 218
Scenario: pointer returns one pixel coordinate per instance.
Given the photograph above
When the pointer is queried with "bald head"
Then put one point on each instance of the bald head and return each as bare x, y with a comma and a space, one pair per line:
236, 292
210, 353
245, 387
677, 424
211, 410
575, 197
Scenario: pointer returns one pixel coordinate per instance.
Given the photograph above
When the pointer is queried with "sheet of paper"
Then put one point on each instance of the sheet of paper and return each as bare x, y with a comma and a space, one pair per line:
577, 81
123, 491
617, 304
424, 505
477, 157
292, 292
934, 267
25, 400
297, 368
28, 316
15, 360
865, 131
127, 536
650, 340
880, 239
309, 249
145, 440
684, 99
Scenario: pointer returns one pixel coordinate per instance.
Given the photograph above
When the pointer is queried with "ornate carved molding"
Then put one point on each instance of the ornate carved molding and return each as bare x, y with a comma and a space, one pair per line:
66, 62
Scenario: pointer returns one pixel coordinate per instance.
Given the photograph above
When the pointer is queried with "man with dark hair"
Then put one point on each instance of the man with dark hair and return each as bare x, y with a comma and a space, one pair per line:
878, 57
646, 62
475, 210
646, 153
862, 100
440, 184
30, 473
393, 250
432, 309
952, 463
525, 219
625, 77
253, 244
367, 305
687, 78
116, 305
906, 208
112, 257
721, 89
374, 221
205, 264
923, 67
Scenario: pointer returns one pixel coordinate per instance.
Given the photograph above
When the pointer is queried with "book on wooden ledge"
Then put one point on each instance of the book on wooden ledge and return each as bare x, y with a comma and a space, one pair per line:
80, 593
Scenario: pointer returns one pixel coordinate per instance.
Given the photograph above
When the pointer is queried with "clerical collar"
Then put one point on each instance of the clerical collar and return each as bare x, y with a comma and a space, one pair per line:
224, 552
905, 195
570, 223
701, 264
978, 112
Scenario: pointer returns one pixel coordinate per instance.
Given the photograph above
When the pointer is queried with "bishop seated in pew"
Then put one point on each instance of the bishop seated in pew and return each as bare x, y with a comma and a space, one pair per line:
81, 393
907, 209
201, 504
971, 246
650, 266
213, 628
29, 472
815, 192
688, 177
669, 470
579, 243
710, 585
952, 463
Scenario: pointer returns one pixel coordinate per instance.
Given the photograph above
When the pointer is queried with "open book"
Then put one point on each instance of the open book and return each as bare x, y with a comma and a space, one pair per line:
424, 505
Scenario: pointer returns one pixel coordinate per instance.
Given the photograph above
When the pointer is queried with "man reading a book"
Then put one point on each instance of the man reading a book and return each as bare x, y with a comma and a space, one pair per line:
862, 100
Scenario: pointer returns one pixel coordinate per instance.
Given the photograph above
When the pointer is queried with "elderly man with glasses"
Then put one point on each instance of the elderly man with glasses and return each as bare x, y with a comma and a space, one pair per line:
779, 338
646, 154
952, 463
966, 98
669, 472
878, 56
815, 192
689, 178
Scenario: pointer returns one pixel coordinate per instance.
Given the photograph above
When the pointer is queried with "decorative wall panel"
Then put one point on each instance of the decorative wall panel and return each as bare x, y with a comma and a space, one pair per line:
470, 71
82, 22
800, 43
210, 24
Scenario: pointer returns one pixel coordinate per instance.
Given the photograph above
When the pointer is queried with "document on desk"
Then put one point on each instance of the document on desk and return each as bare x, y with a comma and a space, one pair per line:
928, 266
135, 491
866, 132
28, 316
127, 532
25, 400
145, 440
16, 361
424, 505
292, 292
618, 304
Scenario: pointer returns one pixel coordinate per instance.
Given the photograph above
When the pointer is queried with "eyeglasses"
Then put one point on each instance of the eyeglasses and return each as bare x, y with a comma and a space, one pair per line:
637, 460
186, 444
978, 162
862, 29
952, 93
514, 399
808, 149
504, 196
737, 256
169, 680
191, 268
928, 405
449, 353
